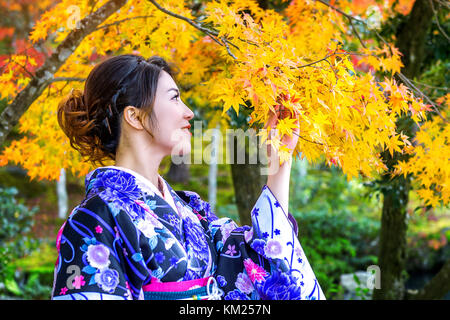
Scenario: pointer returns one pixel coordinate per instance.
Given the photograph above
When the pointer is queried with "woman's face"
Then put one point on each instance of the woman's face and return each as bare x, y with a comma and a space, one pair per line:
172, 132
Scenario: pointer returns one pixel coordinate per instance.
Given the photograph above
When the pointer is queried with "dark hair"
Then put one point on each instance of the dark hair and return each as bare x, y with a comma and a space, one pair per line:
91, 119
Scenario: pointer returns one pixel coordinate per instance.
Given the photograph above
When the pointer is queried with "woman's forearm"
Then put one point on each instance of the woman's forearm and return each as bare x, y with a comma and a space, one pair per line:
278, 183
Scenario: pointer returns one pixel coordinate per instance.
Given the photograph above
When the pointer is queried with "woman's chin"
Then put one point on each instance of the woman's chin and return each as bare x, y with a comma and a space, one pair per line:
181, 150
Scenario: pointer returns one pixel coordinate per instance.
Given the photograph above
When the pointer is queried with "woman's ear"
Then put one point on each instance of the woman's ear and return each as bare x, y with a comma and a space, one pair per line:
132, 116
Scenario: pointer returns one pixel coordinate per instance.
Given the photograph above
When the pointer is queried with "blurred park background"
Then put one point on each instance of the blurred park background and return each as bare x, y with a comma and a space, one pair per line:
340, 221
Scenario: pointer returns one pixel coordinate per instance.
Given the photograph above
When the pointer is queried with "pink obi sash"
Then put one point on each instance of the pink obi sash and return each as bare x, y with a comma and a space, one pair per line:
197, 289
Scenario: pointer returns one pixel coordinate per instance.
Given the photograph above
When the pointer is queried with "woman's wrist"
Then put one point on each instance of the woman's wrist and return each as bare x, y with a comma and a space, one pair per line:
278, 183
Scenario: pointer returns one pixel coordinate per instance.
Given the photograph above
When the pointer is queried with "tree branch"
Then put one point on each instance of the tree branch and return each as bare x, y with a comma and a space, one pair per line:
212, 33
120, 21
437, 287
59, 79
10, 116
407, 81
437, 21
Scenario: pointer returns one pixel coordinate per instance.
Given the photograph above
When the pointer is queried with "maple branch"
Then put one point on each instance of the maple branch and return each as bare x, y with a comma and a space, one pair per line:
414, 88
321, 144
24, 68
120, 21
191, 22
58, 79
225, 42
212, 33
429, 86
356, 32
437, 21
314, 62
400, 75
11, 114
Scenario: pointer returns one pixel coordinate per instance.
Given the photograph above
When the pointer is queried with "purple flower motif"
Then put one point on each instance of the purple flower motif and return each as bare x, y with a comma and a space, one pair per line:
118, 180
172, 219
273, 249
248, 235
236, 295
255, 212
98, 256
244, 284
231, 250
120, 201
279, 286
226, 229
277, 232
209, 214
195, 202
195, 239
107, 279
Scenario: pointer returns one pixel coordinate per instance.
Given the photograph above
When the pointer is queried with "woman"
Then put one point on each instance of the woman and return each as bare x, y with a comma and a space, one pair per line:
133, 236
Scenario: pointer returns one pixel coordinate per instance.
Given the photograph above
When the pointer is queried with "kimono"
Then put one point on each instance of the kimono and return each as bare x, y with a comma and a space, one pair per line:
126, 240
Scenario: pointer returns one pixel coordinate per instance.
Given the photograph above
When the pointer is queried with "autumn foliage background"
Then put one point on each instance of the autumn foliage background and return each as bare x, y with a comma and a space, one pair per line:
365, 123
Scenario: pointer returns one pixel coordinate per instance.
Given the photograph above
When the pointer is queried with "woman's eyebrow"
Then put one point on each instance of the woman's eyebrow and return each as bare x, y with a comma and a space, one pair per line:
174, 89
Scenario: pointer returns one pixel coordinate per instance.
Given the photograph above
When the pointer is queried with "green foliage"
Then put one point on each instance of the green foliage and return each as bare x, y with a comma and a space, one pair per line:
338, 225
16, 221
31, 277
434, 81
17, 276
360, 291
322, 188
336, 243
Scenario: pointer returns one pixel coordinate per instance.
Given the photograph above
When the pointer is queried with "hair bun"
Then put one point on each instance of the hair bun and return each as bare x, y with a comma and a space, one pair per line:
77, 124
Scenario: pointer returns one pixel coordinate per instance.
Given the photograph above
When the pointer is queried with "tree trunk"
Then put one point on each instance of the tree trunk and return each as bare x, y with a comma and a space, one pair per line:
179, 172
213, 168
61, 191
411, 38
437, 287
10, 115
247, 181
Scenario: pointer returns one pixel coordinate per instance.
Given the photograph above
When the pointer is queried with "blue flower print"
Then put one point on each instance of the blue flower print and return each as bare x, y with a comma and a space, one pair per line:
196, 203
173, 261
173, 220
118, 180
209, 214
195, 239
191, 275
236, 295
221, 281
159, 257
258, 246
279, 286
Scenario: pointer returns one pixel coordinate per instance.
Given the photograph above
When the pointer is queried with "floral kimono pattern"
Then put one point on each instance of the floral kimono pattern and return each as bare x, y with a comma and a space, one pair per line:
123, 236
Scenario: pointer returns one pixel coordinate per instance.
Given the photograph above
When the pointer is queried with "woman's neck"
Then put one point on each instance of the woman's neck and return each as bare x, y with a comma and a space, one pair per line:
148, 170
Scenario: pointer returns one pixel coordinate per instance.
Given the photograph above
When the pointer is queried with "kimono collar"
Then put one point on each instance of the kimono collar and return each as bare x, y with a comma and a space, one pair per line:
134, 186
124, 180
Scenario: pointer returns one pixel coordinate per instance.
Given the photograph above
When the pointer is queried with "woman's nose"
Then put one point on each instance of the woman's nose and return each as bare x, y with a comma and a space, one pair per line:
188, 114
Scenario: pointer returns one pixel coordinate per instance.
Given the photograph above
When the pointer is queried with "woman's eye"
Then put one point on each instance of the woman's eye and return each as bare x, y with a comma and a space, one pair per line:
176, 97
